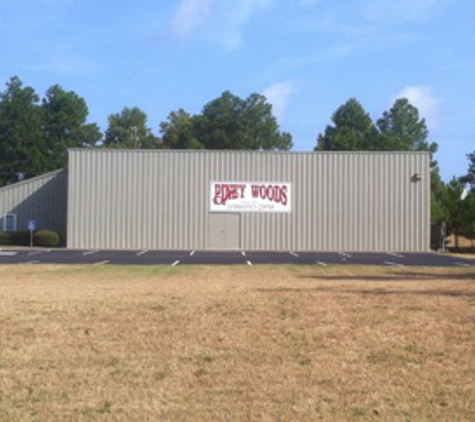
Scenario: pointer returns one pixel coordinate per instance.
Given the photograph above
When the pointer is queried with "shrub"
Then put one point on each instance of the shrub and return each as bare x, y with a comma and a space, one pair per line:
4, 238
46, 238
20, 238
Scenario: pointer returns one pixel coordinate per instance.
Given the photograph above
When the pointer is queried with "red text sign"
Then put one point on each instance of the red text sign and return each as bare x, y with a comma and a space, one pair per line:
250, 197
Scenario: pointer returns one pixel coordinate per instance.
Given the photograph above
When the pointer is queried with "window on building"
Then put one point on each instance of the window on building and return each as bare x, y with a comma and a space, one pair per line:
9, 223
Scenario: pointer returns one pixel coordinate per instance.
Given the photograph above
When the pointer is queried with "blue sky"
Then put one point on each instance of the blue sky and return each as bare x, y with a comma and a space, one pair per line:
307, 56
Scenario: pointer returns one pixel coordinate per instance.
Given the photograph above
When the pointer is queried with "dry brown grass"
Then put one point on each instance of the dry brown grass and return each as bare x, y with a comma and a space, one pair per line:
236, 343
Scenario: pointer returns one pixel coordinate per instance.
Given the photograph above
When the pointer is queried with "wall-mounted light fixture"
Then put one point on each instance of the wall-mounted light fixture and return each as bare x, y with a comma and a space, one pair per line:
416, 177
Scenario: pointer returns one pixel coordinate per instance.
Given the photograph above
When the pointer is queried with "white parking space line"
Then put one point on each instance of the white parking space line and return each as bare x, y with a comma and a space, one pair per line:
249, 263
321, 263
102, 262
294, 254
141, 253
89, 253
462, 264
192, 253
8, 253
393, 264
243, 253
395, 254
34, 253
347, 255
175, 263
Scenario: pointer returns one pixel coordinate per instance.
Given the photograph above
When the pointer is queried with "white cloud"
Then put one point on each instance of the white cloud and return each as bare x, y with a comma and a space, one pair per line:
233, 15
222, 19
278, 95
423, 98
190, 15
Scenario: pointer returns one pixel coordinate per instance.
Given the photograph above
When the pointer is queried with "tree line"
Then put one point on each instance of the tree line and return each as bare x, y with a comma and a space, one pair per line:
35, 134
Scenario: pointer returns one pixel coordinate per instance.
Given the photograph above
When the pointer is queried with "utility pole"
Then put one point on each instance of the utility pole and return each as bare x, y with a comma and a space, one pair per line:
135, 137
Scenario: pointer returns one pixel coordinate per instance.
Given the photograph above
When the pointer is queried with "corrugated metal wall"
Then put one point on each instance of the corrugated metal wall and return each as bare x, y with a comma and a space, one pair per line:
160, 199
43, 199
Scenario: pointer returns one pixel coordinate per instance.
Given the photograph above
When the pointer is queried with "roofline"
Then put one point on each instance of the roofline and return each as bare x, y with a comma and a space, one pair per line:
32, 179
240, 151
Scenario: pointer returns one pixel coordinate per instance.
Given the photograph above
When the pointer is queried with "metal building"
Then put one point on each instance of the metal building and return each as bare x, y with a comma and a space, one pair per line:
238, 200
41, 199
247, 200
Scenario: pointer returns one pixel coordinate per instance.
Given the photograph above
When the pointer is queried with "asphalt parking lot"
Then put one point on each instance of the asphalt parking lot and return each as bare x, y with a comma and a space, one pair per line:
174, 258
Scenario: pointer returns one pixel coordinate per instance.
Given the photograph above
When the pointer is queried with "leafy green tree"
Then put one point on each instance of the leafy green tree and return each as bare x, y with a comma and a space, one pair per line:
401, 129
468, 214
438, 199
128, 129
352, 130
228, 122
469, 178
34, 136
21, 142
64, 117
467, 226
178, 132
454, 206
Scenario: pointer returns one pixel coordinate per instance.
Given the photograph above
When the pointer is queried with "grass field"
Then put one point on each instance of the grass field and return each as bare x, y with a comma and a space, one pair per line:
236, 343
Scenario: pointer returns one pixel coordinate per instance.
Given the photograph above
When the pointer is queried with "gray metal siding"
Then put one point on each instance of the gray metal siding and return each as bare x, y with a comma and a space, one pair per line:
43, 199
160, 199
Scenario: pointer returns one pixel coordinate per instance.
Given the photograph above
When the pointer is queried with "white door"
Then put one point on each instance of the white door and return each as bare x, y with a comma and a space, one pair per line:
224, 231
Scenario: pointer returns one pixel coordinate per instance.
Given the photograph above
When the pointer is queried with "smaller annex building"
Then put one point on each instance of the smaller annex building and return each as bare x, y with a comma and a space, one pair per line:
230, 200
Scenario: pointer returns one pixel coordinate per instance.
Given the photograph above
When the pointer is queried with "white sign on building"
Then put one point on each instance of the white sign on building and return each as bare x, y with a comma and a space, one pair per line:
250, 197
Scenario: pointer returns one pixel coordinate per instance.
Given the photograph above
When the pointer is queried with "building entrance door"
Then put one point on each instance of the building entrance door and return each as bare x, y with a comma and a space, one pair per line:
224, 231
